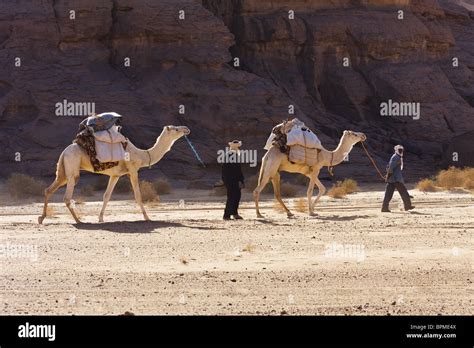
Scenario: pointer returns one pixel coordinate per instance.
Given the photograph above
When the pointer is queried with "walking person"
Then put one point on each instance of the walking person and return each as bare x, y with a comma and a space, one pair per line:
394, 180
233, 180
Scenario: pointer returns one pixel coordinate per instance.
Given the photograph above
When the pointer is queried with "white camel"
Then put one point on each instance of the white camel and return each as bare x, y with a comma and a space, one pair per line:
74, 159
274, 161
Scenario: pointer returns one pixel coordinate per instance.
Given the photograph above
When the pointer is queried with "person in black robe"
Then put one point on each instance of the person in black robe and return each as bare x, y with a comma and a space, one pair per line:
233, 179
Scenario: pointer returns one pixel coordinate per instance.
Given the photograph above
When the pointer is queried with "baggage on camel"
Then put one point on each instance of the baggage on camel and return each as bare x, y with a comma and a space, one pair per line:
100, 137
108, 145
298, 142
101, 121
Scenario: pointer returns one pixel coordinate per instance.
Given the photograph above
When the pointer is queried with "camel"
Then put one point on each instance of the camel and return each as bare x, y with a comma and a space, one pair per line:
274, 161
74, 159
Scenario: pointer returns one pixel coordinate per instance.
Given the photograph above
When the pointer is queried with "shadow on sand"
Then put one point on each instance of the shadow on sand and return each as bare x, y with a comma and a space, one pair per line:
136, 226
341, 218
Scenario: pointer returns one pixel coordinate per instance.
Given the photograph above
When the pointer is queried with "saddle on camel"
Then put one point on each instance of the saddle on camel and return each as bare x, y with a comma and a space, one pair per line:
297, 141
99, 135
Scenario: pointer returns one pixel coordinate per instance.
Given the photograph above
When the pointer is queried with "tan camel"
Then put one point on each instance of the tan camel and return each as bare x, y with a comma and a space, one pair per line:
274, 161
74, 159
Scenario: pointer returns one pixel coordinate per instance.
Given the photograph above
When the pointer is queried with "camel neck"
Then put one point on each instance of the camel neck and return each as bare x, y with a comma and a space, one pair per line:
342, 150
158, 150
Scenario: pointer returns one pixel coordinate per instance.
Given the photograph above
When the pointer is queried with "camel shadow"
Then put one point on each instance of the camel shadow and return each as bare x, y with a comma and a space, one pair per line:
342, 218
131, 226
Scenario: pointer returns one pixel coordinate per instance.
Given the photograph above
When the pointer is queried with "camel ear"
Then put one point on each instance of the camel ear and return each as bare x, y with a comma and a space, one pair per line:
167, 128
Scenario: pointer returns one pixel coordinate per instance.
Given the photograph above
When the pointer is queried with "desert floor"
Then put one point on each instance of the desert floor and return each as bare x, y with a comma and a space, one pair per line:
189, 261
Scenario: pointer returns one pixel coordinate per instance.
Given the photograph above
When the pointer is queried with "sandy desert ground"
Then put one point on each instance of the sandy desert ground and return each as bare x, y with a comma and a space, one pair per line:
189, 261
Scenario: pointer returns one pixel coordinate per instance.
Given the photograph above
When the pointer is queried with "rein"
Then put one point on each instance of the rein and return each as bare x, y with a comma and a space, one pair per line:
372, 160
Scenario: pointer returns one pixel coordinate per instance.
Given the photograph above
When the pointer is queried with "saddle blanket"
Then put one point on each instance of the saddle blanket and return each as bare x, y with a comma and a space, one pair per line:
108, 145
303, 136
303, 155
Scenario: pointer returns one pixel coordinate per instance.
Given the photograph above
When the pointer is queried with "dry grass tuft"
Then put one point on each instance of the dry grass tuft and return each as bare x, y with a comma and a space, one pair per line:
249, 247
455, 177
218, 191
449, 179
337, 191
148, 192
301, 205
101, 182
288, 190
87, 190
350, 185
50, 212
123, 185
162, 186
342, 188
277, 206
23, 186
252, 182
426, 185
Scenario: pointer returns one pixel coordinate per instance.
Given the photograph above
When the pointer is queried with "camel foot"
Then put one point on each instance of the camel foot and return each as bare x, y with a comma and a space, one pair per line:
313, 214
290, 214
40, 219
147, 218
260, 216
101, 219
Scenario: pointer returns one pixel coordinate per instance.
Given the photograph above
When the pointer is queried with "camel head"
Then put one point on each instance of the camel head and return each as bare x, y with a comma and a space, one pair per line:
176, 132
353, 137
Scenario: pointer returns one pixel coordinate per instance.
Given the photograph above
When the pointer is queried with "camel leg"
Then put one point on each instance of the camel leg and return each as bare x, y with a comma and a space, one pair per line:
277, 192
309, 194
263, 181
107, 194
58, 182
71, 182
322, 190
138, 194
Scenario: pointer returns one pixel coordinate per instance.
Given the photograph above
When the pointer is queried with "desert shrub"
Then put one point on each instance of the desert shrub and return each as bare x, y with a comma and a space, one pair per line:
288, 190
251, 184
87, 190
22, 186
301, 205
148, 192
101, 182
337, 191
426, 185
219, 191
123, 185
162, 186
342, 188
277, 206
350, 185
450, 178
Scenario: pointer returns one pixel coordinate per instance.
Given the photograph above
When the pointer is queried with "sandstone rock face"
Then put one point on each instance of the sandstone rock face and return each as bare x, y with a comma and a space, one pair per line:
188, 62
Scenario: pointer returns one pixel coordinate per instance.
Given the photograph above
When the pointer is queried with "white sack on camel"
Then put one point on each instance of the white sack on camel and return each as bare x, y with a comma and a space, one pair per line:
303, 136
108, 145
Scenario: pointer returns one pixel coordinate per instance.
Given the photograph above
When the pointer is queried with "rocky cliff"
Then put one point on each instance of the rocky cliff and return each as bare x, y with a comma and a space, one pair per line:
146, 59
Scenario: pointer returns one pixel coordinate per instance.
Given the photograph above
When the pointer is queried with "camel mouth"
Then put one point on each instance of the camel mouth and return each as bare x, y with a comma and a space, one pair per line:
186, 131
363, 137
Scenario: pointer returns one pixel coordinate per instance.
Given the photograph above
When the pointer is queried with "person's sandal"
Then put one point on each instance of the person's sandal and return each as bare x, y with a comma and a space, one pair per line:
238, 217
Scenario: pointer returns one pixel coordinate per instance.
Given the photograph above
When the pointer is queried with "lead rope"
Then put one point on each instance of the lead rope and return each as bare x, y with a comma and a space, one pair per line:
195, 152
372, 160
